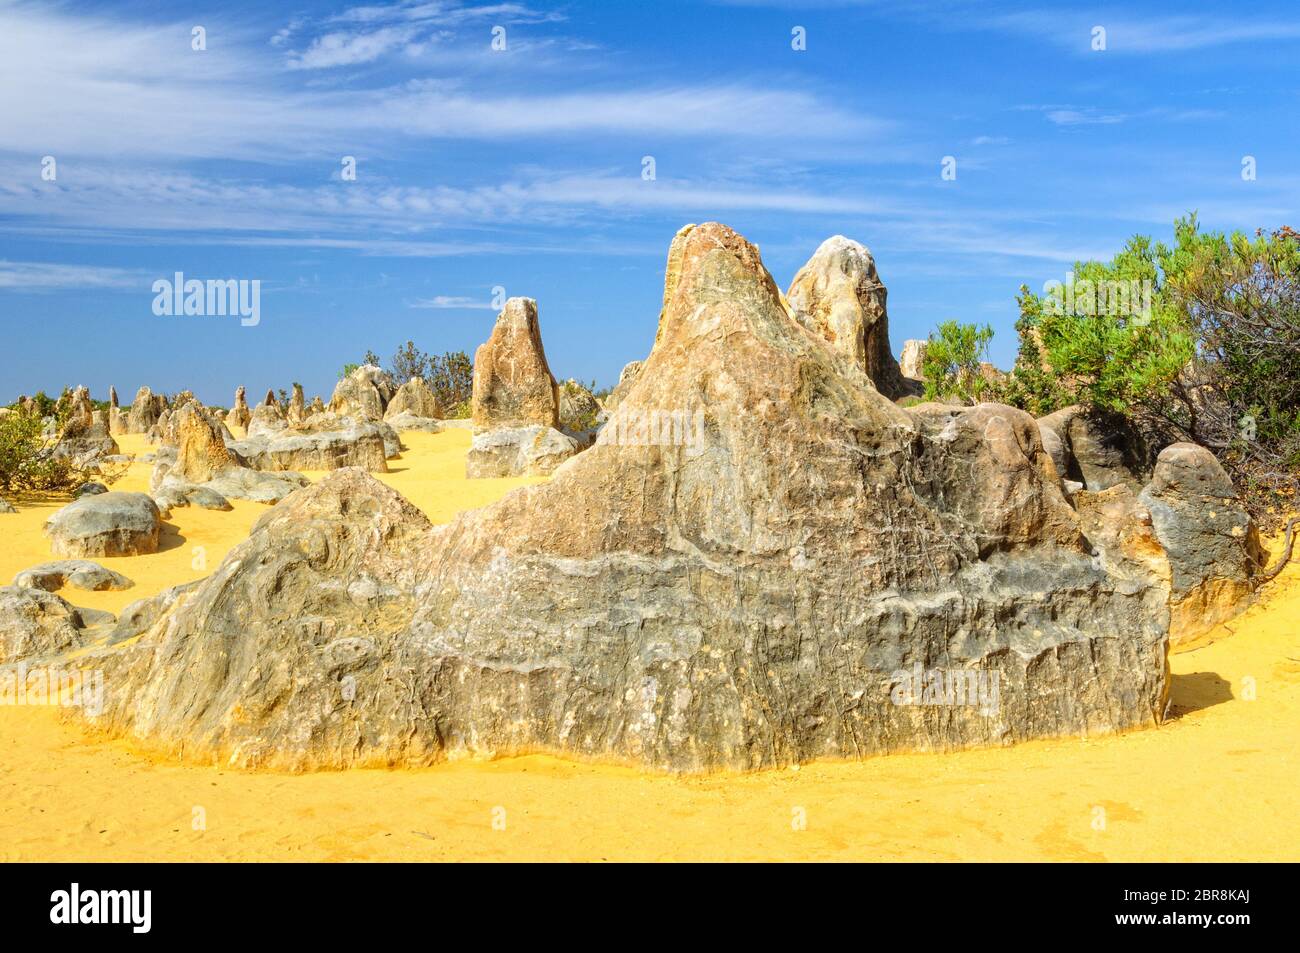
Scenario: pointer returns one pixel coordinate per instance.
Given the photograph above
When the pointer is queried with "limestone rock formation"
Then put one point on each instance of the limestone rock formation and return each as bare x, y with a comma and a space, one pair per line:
580, 412
321, 442
37, 624
6, 506
207, 469
513, 384
1097, 452
85, 438
838, 295
912, 363
266, 419
413, 399
107, 524
626, 379
795, 584
297, 411
518, 451
515, 400
239, 417
363, 394
1212, 543
77, 573
145, 411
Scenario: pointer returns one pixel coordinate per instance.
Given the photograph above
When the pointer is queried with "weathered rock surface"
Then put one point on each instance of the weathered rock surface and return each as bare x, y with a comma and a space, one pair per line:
912, 362
239, 416
518, 451
145, 411
839, 296
6, 506
297, 411
1097, 452
1212, 543
85, 438
513, 384
107, 524
267, 419
580, 412
77, 573
322, 442
363, 394
627, 378
37, 624
414, 399
753, 601
405, 421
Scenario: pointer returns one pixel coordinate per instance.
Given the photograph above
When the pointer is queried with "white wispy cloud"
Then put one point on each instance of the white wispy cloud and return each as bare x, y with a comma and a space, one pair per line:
451, 303
32, 276
95, 85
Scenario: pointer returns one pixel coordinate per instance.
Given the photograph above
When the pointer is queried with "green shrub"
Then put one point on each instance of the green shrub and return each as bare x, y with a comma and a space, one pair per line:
952, 362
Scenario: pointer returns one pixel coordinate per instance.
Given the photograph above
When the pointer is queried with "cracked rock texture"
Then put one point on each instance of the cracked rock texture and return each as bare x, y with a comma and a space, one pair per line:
749, 601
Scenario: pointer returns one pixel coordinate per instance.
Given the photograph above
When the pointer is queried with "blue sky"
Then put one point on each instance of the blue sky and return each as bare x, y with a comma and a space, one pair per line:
522, 168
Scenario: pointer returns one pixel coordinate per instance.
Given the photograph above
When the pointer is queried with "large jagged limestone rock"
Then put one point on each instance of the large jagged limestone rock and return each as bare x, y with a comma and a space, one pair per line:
518, 451
297, 411
105, 524
37, 624
267, 418
1097, 451
201, 445
515, 405
205, 467
627, 378
1212, 543
77, 573
363, 394
763, 596
145, 411
414, 399
580, 412
838, 295
912, 362
239, 417
85, 438
513, 384
321, 442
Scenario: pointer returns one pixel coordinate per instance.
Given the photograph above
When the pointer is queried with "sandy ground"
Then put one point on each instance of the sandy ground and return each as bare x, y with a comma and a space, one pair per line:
1216, 782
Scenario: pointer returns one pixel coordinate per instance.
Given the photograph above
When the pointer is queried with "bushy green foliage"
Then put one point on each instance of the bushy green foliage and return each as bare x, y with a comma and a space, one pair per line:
27, 459
451, 378
1200, 339
952, 362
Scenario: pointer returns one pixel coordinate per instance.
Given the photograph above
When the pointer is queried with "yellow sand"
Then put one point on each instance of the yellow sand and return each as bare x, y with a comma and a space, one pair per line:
1217, 782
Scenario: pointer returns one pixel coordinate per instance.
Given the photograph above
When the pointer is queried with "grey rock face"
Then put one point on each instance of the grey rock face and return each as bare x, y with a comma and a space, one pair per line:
6, 507
413, 399
363, 394
107, 524
1099, 453
37, 624
77, 573
89, 489
627, 379
322, 442
518, 451
795, 584
408, 421
1212, 544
